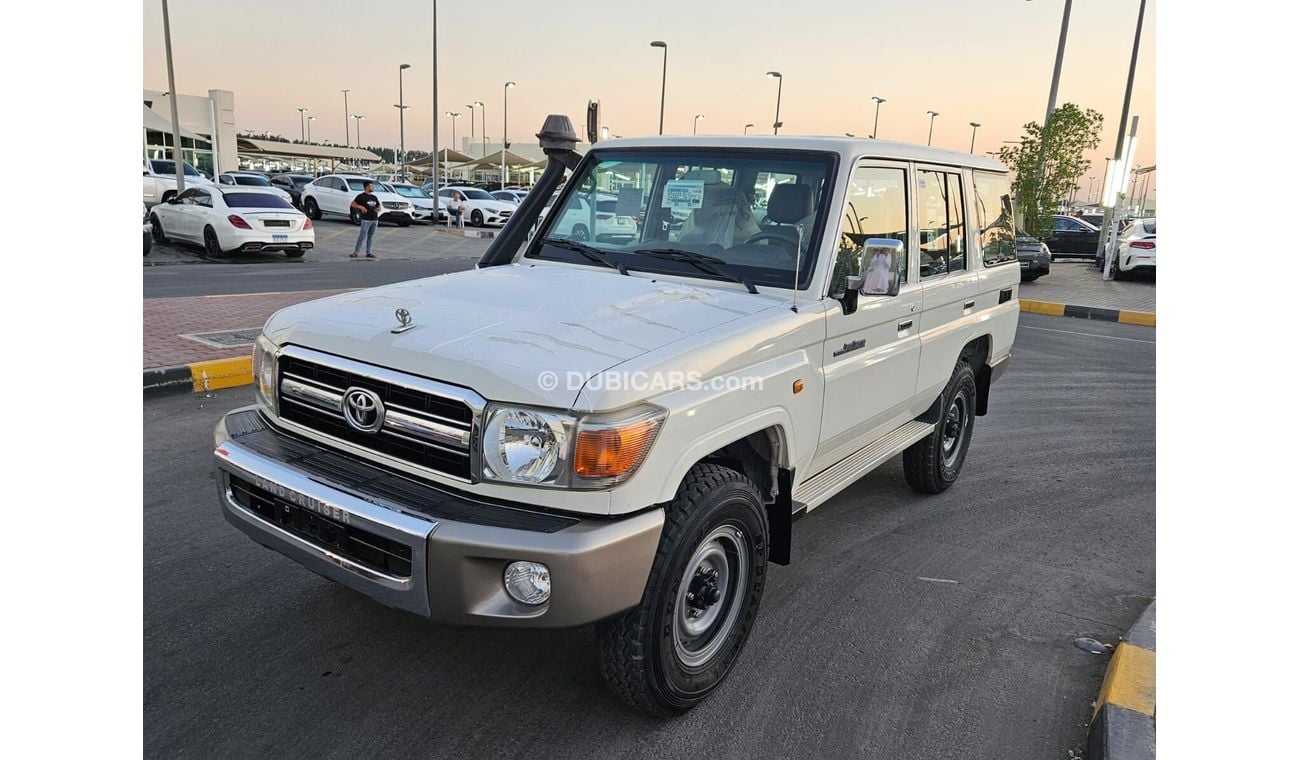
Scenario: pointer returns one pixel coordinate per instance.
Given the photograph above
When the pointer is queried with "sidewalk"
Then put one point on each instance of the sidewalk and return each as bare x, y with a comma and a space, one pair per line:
1079, 283
167, 322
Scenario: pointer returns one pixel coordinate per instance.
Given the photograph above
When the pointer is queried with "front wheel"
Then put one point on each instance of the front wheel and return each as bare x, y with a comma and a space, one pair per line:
933, 463
159, 236
476, 218
403, 221
355, 216
671, 651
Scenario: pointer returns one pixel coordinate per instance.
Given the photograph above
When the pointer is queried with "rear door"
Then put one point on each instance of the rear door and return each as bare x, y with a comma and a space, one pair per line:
949, 279
870, 357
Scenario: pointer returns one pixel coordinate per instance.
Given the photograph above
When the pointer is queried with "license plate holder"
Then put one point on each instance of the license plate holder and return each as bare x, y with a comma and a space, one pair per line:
279, 238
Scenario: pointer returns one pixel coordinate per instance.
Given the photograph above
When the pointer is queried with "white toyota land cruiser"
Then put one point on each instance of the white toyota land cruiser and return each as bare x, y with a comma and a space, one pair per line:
622, 432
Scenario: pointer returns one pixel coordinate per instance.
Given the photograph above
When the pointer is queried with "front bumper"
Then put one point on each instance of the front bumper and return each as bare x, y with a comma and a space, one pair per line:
420, 548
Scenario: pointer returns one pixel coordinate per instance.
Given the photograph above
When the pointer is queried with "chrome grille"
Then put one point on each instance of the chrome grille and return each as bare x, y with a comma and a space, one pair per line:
427, 424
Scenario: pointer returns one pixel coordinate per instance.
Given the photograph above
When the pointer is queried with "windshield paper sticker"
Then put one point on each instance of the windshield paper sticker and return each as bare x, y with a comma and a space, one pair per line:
684, 193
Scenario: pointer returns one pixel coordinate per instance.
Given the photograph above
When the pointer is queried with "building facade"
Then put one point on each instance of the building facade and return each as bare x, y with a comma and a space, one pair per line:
207, 124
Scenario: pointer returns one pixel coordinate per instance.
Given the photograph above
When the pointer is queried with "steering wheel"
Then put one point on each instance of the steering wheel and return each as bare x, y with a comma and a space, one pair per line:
790, 245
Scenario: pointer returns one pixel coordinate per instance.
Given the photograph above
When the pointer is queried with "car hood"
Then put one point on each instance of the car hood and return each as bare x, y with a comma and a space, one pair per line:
492, 205
515, 333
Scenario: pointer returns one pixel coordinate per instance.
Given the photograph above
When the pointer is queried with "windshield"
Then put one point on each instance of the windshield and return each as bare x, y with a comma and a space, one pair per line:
636, 207
256, 200
169, 167
477, 195
407, 191
252, 179
300, 180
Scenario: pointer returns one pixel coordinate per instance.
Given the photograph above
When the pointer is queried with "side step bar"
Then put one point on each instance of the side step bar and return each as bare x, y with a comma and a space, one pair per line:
815, 491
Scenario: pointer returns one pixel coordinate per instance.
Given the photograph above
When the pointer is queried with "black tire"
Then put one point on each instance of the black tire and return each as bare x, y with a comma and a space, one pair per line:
294, 253
212, 244
645, 652
1029, 277
159, 236
1118, 273
933, 463
476, 218
354, 216
148, 244
310, 208
580, 232
403, 221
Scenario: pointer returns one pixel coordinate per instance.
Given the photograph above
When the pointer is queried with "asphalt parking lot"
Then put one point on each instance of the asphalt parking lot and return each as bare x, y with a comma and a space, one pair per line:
908, 626
335, 238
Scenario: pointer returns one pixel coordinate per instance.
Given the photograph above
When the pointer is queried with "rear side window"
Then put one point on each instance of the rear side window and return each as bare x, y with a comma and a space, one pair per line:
941, 222
256, 200
996, 218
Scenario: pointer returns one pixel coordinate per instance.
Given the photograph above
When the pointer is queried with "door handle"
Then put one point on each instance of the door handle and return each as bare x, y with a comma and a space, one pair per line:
906, 324
969, 305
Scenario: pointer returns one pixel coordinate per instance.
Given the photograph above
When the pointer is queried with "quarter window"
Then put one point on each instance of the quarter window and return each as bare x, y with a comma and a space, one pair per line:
875, 207
941, 221
996, 218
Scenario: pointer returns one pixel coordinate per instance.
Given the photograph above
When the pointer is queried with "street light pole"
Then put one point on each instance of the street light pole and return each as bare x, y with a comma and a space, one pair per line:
876, 123
780, 80
310, 119
1119, 139
347, 128
473, 134
974, 125
454, 116
931, 137
433, 159
1090, 181
747, 126
178, 157
401, 116
696, 124
505, 128
302, 124
358, 118
663, 85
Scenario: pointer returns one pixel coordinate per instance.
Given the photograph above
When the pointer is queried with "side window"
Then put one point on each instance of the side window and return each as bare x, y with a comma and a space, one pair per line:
942, 226
187, 197
996, 218
201, 198
874, 207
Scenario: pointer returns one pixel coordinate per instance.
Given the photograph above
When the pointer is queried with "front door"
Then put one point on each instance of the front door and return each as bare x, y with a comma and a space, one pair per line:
870, 356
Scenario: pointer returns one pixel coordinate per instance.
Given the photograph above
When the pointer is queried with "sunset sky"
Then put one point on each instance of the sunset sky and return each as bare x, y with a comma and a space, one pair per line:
988, 61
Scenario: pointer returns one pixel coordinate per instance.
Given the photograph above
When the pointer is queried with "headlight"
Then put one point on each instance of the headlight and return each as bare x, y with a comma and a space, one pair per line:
526, 445
264, 372
529, 446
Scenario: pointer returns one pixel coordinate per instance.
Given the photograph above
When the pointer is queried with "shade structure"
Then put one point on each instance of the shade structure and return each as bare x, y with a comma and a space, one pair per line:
446, 156
254, 147
156, 122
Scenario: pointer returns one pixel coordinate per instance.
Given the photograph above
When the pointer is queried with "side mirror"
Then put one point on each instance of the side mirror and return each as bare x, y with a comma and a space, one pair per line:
881, 267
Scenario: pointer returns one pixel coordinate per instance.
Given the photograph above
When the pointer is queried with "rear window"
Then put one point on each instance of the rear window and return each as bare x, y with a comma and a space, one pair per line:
252, 180
1149, 227
256, 200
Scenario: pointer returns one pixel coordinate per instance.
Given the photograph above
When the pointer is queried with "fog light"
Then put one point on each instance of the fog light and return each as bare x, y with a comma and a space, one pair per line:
528, 582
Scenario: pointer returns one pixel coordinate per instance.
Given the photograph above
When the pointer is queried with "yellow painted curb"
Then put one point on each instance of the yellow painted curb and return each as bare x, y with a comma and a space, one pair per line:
222, 373
1042, 307
1130, 680
1147, 318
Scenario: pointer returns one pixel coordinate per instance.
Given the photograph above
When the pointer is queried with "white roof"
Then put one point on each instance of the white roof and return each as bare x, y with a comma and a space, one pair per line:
847, 147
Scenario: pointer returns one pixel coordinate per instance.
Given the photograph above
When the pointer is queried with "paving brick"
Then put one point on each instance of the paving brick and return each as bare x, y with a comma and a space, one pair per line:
167, 319
1080, 284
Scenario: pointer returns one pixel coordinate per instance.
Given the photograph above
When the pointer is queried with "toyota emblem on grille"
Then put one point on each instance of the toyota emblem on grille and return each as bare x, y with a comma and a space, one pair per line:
363, 410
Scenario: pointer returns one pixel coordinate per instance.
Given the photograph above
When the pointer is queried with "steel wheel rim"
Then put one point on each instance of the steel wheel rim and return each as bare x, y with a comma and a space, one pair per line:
955, 426
703, 622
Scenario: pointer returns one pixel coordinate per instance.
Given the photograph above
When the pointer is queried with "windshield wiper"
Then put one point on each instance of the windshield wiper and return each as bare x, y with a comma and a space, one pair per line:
700, 261
591, 252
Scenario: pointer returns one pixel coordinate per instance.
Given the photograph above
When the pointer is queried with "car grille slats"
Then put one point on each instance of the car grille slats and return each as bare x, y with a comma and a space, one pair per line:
429, 427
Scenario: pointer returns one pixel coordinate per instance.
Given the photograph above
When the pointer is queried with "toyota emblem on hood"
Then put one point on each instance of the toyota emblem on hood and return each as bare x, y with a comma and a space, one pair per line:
363, 410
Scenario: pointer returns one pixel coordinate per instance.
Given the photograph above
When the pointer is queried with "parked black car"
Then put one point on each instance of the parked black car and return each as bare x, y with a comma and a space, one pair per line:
293, 185
1034, 255
1072, 238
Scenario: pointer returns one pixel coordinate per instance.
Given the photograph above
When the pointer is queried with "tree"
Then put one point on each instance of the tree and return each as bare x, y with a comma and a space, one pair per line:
1045, 173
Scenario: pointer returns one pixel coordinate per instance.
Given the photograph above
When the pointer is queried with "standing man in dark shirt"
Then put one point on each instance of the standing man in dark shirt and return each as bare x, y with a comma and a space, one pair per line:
368, 205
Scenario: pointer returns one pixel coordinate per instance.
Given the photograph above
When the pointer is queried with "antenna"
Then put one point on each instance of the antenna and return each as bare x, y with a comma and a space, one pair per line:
794, 286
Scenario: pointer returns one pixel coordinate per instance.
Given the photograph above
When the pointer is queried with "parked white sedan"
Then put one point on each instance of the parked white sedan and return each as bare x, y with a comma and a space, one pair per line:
226, 219
334, 193
480, 207
1136, 251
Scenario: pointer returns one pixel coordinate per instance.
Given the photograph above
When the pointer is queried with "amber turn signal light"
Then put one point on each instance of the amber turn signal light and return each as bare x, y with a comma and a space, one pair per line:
614, 451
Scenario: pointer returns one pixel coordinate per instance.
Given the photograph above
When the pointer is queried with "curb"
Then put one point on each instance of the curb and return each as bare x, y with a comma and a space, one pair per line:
1124, 719
199, 376
1123, 316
